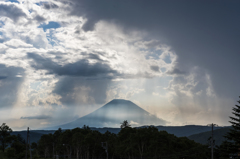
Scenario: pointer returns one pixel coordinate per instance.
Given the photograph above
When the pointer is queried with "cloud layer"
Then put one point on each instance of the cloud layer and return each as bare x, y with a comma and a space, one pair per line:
177, 60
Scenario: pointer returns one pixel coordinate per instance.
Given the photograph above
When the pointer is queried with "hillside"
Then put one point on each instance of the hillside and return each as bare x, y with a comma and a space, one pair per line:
34, 136
203, 137
186, 130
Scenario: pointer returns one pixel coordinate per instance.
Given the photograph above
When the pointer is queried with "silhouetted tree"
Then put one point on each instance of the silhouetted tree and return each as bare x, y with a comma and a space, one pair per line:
77, 141
17, 146
223, 151
5, 134
45, 145
234, 134
125, 124
57, 142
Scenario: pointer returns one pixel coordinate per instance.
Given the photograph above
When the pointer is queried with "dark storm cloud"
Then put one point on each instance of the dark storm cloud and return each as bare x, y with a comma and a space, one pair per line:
77, 91
3, 77
39, 18
155, 68
1, 40
9, 84
39, 117
80, 68
71, 87
175, 71
11, 11
95, 57
50, 6
202, 33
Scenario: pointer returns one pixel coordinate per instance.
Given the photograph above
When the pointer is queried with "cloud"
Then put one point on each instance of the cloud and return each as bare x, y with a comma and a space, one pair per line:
98, 58
175, 71
39, 18
80, 68
38, 117
3, 77
155, 68
196, 31
50, 6
77, 91
16, 43
11, 10
9, 84
133, 123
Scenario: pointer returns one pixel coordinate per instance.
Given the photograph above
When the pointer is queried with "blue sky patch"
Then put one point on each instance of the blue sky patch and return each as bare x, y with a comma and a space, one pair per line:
1, 24
15, 1
50, 25
52, 39
154, 54
167, 59
163, 69
36, 86
41, 3
38, 4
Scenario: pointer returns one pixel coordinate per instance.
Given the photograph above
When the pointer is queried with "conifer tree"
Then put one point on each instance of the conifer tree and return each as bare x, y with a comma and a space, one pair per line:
234, 133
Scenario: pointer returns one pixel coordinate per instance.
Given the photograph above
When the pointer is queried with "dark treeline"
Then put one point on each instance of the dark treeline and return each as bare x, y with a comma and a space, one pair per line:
84, 143
131, 143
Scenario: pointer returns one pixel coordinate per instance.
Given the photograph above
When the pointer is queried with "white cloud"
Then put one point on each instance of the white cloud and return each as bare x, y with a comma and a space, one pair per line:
132, 123
16, 43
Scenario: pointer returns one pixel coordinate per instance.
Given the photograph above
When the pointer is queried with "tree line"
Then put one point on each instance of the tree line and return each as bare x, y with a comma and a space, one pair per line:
131, 143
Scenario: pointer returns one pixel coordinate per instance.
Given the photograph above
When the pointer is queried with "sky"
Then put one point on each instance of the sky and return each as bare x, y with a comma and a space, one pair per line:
62, 59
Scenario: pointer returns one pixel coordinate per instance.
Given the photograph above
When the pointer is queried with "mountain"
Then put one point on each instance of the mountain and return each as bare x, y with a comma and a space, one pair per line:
112, 114
34, 136
218, 134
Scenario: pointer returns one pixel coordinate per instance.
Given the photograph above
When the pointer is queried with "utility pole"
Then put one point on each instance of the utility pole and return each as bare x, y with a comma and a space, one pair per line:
212, 142
30, 150
27, 143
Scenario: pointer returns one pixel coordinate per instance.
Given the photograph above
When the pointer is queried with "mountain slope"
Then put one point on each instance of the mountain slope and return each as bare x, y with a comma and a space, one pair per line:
218, 136
35, 136
112, 114
186, 130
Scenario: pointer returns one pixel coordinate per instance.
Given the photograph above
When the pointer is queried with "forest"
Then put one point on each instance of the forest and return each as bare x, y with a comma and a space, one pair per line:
131, 143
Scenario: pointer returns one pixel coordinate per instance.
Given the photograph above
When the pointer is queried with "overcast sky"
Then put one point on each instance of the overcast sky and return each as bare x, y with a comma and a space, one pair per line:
62, 59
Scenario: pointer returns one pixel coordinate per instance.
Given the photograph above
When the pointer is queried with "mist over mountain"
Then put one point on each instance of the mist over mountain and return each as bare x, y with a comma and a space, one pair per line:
112, 114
